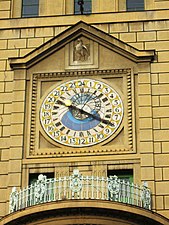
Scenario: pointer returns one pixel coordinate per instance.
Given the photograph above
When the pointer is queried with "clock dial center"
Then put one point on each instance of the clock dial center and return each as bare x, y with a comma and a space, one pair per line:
81, 112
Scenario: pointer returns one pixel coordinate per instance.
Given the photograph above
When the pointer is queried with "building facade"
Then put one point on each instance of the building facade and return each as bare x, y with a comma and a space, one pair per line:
84, 95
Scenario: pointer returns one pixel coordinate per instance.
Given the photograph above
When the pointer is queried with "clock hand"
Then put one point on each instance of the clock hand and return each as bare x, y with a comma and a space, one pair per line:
68, 104
93, 115
99, 118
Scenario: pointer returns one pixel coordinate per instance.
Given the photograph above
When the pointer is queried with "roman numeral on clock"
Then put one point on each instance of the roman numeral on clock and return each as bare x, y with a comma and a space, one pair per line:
62, 128
54, 113
109, 110
81, 134
108, 116
101, 126
100, 95
55, 107
104, 99
88, 133
67, 132
58, 124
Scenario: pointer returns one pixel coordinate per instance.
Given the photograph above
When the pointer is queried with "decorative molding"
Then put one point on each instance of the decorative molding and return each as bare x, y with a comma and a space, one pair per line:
82, 73
33, 113
129, 104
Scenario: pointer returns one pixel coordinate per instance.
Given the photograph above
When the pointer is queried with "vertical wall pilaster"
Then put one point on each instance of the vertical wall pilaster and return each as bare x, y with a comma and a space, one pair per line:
17, 130
146, 126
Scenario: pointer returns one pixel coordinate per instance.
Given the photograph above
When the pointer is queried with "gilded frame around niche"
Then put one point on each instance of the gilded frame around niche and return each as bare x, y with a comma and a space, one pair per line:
87, 57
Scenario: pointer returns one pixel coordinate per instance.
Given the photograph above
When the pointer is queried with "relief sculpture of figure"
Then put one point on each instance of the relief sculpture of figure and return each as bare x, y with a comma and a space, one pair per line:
81, 51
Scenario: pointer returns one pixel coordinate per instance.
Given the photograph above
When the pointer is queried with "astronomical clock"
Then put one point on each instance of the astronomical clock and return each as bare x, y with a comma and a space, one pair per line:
81, 112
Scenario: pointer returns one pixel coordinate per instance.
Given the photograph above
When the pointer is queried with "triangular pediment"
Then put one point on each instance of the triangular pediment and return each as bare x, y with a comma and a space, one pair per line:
81, 29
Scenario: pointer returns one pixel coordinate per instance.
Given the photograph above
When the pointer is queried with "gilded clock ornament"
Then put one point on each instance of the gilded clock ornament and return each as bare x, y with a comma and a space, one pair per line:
81, 112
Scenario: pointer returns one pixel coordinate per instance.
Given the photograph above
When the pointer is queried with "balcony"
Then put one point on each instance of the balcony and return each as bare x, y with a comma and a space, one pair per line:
78, 187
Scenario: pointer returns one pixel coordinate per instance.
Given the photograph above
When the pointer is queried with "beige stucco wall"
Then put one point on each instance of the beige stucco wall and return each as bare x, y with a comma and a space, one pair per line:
142, 30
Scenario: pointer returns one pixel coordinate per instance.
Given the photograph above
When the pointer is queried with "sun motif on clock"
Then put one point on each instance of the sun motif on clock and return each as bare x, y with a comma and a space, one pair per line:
81, 112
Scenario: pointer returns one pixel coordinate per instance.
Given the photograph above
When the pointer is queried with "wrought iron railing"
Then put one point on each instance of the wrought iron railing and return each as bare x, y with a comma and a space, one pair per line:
80, 187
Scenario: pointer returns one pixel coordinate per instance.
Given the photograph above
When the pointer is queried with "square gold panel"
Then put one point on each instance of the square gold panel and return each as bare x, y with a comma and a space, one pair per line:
82, 53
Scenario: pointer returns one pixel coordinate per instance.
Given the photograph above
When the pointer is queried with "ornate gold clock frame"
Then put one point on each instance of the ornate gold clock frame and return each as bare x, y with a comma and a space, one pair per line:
120, 141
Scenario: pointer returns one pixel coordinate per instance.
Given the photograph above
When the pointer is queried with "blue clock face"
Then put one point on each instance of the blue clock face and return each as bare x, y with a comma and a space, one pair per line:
81, 112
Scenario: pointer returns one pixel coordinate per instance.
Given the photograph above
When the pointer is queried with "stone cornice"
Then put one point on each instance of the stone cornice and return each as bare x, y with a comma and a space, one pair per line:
81, 29
69, 20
